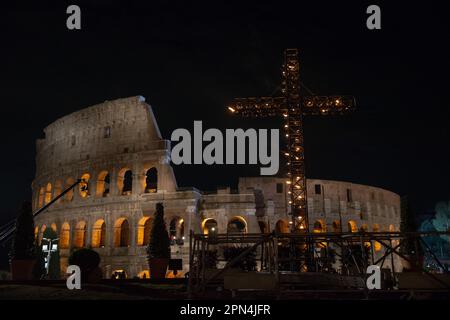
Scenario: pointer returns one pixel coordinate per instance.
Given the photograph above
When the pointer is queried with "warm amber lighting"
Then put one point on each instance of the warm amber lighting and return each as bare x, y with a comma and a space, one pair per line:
231, 109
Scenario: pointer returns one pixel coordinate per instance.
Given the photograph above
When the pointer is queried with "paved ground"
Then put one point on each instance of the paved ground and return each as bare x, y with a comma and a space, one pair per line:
129, 291
142, 290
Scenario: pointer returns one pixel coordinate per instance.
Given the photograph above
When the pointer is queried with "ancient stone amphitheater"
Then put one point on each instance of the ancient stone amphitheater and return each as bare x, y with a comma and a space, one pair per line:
117, 148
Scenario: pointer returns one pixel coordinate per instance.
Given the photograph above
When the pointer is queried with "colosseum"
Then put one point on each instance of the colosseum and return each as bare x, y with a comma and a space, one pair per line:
117, 148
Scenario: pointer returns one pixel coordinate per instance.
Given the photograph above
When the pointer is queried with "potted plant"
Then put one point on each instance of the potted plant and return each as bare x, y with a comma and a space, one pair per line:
88, 260
159, 246
22, 257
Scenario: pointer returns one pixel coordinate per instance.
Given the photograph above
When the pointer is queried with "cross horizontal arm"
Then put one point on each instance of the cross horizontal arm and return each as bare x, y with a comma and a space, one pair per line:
327, 105
257, 107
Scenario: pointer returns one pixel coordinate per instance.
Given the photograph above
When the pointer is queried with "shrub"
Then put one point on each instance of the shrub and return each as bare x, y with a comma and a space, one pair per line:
23, 241
87, 259
159, 245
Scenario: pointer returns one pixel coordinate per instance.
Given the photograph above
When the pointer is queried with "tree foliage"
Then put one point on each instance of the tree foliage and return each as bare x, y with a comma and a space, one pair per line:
159, 245
23, 241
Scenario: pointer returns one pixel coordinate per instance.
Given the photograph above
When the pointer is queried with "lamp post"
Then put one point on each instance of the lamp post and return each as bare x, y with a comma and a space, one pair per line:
48, 248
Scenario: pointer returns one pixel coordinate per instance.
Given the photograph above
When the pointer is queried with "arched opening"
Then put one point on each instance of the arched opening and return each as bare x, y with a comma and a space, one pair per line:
176, 230
144, 274
58, 189
36, 233
80, 235
319, 226
364, 228
376, 244
391, 228
84, 185
48, 193
41, 197
282, 226
151, 181
237, 225
119, 274
103, 183
336, 226
121, 233
209, 226
98, 234
144, 231
41, 234
64, 237
352, 227
125, 181
69, 194
54, 228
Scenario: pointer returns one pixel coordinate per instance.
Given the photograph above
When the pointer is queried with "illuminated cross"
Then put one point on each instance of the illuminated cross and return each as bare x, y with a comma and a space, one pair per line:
292, 107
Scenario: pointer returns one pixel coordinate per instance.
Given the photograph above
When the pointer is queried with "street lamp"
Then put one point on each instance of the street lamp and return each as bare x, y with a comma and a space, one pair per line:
51, 246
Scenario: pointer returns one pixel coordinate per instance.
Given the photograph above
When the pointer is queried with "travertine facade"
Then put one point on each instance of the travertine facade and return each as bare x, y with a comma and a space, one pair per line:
116, 146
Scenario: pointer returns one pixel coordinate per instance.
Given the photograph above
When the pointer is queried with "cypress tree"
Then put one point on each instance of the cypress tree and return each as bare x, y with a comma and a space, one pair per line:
23, 241
159, 245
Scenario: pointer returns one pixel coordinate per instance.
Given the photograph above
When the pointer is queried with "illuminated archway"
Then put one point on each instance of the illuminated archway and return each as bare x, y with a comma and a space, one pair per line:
119, 274
98, 234
83, 187
151, 181
209, 226
41, 197
144, 274
103, 183
319, 226
54, 227
282, 226
144, 231
376, 244
48, 193
41, 234
80, 235
352, 227
58, 189
176, 228
237, 224
36, 233
121, 233
64, 237
125, 181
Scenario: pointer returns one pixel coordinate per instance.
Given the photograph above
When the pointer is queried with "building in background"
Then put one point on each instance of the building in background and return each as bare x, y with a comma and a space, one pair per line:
117, 148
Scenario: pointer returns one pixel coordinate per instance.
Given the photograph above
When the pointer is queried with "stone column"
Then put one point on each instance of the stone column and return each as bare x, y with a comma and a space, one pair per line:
113, 176
137, 176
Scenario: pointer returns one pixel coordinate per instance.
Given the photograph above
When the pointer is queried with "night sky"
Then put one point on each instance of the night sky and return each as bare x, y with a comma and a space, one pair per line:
190, 60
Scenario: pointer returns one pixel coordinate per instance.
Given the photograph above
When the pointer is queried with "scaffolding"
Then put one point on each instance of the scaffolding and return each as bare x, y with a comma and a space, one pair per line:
340, 259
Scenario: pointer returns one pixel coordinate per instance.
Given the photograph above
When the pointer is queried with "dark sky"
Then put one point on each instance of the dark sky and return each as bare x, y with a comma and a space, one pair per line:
190, 60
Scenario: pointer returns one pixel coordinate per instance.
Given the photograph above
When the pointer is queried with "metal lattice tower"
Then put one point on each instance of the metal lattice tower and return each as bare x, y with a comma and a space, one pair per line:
292, 106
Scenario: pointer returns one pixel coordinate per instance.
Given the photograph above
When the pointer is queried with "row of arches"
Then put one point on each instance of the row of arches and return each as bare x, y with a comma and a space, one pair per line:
235, 225
102, 186
121, 233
